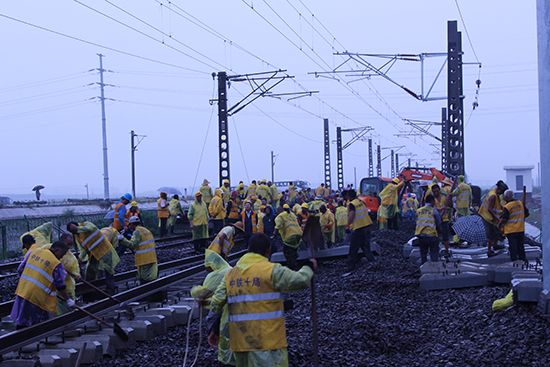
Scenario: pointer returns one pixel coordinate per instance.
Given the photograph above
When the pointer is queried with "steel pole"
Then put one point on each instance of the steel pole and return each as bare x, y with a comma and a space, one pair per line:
104, 132
543, 36
133, 150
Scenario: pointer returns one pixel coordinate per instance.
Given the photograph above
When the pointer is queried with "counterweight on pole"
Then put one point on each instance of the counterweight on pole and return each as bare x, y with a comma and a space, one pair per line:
104, 131
379, 161
392, 164
223, 128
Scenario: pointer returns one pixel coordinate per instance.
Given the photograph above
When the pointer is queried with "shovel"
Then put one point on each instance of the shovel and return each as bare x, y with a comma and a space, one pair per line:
118, 330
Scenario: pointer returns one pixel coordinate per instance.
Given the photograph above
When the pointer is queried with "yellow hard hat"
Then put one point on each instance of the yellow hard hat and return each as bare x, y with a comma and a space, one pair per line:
134, 203
286, 206
225, 180
198, 193
395, 180
305, 206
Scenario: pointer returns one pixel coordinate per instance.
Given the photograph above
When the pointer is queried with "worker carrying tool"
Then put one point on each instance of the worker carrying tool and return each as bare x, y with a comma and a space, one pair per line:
217, 211
225, 239
175, 209
463, 194
290, 231
428, 220
253, 292
388, 212
198, 218
512, 223
119, 218
42, 278
143, 244
163, 213
95, 251
206, 192
217, 268
328, 225
360, 225
491, 212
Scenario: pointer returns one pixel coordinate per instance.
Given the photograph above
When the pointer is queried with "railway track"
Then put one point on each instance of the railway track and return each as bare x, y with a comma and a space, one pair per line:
173, 272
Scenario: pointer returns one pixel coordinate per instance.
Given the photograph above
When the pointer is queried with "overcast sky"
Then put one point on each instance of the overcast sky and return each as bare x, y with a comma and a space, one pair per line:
50, 130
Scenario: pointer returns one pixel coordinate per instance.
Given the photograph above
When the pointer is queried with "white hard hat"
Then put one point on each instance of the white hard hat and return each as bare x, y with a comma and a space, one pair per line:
134, 219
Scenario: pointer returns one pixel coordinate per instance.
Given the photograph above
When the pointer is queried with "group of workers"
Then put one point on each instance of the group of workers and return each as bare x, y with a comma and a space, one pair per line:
49, 271
502, 215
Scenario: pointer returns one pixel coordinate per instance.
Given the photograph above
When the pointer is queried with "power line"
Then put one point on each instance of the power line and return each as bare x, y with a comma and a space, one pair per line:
151, 37
44, 110
41, 96
167, 35
45, 82
206, 136
466, 30
240, 147
100, 45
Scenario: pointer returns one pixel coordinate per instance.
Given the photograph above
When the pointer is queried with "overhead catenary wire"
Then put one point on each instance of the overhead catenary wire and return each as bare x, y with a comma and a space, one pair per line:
46, 95
466, 30
55, 80
151, 37
240, 147
122, 52
169, 35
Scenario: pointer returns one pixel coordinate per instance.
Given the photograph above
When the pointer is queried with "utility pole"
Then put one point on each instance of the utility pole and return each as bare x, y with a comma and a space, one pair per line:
409, 163
543, 34
133, 150
272, 167
371, 168
223, 128
87, 192
392, 164
355, 178
444, 140
378, 160
104, 131
339, 158
396, 163
326, 134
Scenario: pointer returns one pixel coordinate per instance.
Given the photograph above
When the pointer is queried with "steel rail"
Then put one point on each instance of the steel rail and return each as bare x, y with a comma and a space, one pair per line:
19, 338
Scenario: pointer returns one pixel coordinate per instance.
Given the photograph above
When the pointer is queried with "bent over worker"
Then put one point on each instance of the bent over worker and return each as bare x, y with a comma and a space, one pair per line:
513, 225
290, 231
42, 278
216, 267
143, 244
252, 291
96, 251
225, 239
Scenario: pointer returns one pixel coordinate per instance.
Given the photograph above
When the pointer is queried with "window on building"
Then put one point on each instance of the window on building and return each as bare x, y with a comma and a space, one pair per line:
519, 182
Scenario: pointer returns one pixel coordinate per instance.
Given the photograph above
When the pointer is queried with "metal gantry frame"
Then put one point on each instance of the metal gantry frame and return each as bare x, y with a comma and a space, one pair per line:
371, 168
378, 160
261, 84
358, 134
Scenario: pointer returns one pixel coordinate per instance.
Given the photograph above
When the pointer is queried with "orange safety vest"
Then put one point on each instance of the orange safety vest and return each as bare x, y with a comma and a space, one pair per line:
234, 211
253, 218
36, 282
256, 312
162, 212
117, 224
145, 251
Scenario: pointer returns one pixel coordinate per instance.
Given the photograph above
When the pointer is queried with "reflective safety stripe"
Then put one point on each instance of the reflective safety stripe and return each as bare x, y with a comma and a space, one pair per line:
425, 223
517, 212
47, 290
41, 271
254, 297
89, 238
146, 250
146, 242
97, 242
514, 220
256, 316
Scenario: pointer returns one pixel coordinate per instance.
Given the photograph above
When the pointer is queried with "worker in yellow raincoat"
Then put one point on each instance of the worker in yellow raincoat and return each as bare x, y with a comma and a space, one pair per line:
206, 192
388, 212
217, 268
341, 221
286, 224
216, 209
41, 235
175, 210
96, 251
143, 244
252, 291
328, 225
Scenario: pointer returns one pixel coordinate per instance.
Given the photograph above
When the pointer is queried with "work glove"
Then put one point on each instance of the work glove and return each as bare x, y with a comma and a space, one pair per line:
120, 236
70, 302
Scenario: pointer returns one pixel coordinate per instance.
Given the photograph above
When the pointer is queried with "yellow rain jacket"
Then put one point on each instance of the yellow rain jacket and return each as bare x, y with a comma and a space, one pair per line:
143, 243
206, 192
216, 209
198, 213
287, 225
264, 192
341, 216
205, 291
252, 290
42, 235
328, 224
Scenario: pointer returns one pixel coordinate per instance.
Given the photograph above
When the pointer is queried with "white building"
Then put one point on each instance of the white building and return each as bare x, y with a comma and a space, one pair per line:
519, 176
